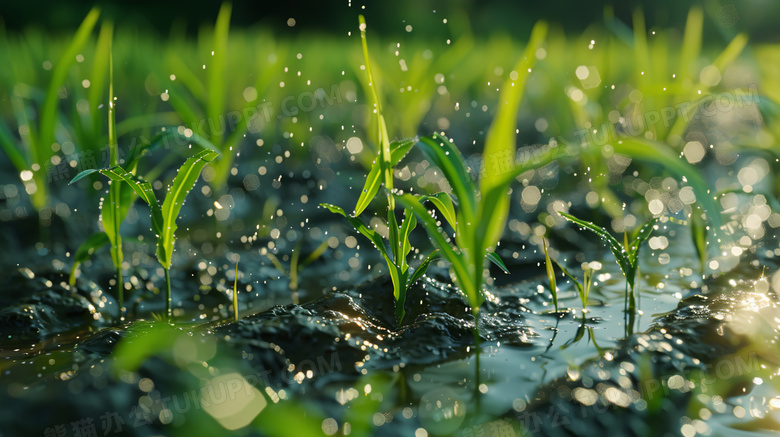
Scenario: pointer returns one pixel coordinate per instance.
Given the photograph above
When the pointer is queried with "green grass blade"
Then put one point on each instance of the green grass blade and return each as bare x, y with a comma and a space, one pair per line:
580, 288
316, 254
8, 144
99, 73
731, 52
142, 189
383, 141
399, 149
500, 144
495, 259
443, 202
59, 74
407, 226
82, 175
168, 137
691, 44
87, 248
370, 188
215, 106
550, 275
444, 155
455, 259
422, 268
378, 242
617, 249
186, 76
182, 184
699, 236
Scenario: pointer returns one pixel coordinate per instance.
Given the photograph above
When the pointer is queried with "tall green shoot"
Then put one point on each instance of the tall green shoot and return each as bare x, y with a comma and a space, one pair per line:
626, 254
381, 174
482, 211
163, 217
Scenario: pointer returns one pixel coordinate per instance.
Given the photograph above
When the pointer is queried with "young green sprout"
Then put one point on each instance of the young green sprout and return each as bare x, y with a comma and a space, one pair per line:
163, 217
381, 174
482, 209
550, 274
626, 255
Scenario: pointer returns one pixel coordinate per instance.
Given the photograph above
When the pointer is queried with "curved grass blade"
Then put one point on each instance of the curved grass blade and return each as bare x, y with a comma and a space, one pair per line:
578, 284
141, 188
59, 74
370, 188
87, 248
444, 155
399, 149
378, 242
82, 175
495, 259
500, 144
8, 144
217, 86
407, 226
617, 249
167, 137
423, 267
443, 202
550, 274
182, 184
455, 259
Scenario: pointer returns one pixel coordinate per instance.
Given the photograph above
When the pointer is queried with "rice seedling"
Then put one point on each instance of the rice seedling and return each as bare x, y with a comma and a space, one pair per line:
381, 174
482, 210
163, 217
626, 255
31, 153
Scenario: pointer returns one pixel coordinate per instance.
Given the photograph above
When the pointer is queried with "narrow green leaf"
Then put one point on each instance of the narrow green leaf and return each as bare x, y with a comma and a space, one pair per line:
444, 155
217, 85
59, 74
370, 188
455, 259
580, 289
87, 248
407, 226
550, 274
316, 254
141, 188
422, 268
443, 202
731, 52
691, 43
99, 69
393, 236
186, 76
168, 137
498, 157
399, 149
82, 175
699, 236
495, 259
182, 184
617, 249
9, 146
